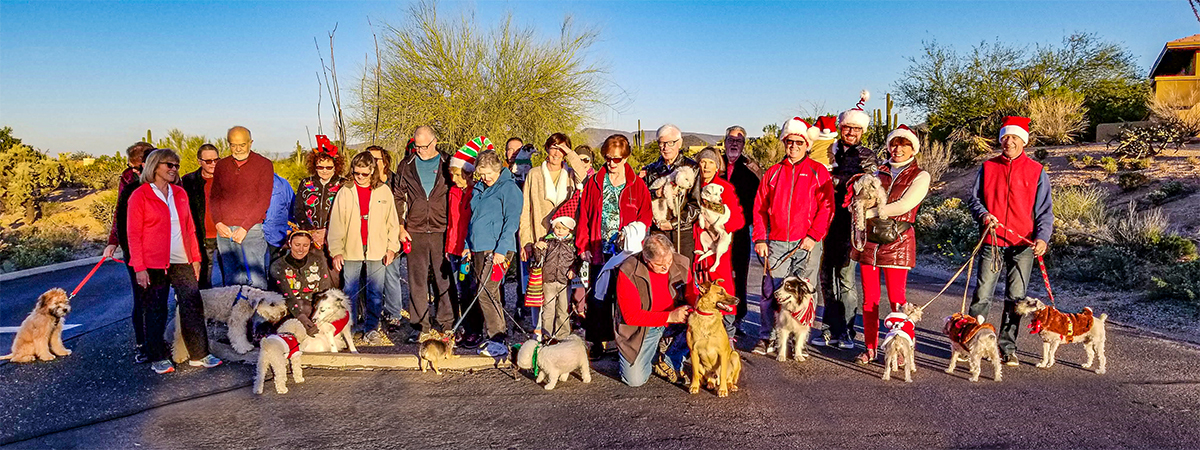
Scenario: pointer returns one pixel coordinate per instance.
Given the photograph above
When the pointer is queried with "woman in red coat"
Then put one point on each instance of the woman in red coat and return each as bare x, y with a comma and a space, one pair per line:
164, 254
612, 198
710, 165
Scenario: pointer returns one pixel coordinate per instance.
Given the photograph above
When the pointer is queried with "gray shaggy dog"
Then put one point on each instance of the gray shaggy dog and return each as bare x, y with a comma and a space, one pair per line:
557, 361
235, 306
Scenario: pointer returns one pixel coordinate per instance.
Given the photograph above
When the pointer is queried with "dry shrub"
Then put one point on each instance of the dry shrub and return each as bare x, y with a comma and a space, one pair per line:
935, 157
1180, 111
1057, 118
1143, 228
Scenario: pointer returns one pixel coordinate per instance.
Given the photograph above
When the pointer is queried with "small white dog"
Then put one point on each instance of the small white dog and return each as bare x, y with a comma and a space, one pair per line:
556, 362
235, 306
868, 193
1056, 327
276, 351
331, 314
667, 207
797, 311
901, 342
974, 339
714, 240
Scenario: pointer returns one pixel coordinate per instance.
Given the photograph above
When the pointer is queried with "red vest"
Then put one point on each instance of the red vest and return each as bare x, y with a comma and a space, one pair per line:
1009, 193
903, 251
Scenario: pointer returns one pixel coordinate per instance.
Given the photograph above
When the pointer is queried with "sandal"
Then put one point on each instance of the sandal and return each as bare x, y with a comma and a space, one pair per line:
865, 357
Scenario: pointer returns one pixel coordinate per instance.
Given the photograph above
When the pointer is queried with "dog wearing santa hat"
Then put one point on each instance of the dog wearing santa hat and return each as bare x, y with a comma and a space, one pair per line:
900, 344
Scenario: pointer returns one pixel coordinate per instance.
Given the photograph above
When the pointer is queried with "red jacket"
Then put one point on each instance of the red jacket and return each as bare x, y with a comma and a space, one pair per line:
1009, 191
736, 222
149, 228
793, 201
634, 207
458, 216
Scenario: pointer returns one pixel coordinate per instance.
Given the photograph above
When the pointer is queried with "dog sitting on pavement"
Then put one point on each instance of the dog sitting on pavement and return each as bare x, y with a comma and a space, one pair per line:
714, 360
795, 317
1056, 328
331, 315
974, 339
900, 344
236, 307
40, 334
275, 353
434, 346
555, 361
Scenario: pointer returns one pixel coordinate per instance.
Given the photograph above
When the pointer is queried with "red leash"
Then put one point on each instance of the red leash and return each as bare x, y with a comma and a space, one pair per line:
93, 272
1041, 262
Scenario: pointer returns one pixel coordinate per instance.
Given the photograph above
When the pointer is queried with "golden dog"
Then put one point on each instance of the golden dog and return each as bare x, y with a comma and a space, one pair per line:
40, 335
713, 357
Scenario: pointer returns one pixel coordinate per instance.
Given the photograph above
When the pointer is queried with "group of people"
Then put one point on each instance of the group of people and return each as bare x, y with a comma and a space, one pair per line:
581, 237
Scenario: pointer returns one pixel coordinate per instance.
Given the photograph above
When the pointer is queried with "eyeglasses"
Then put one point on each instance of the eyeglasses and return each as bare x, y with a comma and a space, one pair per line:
586, 160
735, 140
360, 174
422, 147
171, 165
669, 143
324, 167
614, 159
790, 142
210, 161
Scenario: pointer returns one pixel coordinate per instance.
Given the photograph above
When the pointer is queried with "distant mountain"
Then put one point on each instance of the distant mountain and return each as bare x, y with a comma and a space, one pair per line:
596, 136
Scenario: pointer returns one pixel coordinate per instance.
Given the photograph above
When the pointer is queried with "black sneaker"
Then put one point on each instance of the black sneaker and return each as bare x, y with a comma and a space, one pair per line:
471, 341
413, 337
1011, 360
139, 356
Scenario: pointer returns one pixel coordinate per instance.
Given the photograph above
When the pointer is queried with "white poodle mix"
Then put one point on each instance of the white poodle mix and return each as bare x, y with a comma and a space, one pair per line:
868, 193
714, 240
667, 207
235, 306
277, 351
556, 362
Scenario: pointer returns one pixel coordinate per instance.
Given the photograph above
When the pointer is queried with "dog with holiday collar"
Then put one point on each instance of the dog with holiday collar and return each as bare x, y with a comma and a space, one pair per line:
900, 344
795, 317
1056, 328
714, 360
276, 352
974, 339
331, 314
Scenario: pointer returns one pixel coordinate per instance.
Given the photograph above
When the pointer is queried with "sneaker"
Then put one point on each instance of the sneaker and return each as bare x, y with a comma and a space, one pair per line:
471, 341
374, 338
208, 362
845, 342
663, 369
413, 337
494, 349
162, 367
764, 347
1011, 360
139, 356
823, 339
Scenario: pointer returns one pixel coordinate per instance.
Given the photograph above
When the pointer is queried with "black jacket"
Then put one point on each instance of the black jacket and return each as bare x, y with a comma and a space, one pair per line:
193, 183
691, 204
122, 215
849, 162
745, 178
314, 201
423, 213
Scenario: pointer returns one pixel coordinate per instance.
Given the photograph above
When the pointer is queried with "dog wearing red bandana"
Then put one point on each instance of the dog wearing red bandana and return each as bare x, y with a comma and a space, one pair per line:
276, 352
331, 314
1057, 328
797, 311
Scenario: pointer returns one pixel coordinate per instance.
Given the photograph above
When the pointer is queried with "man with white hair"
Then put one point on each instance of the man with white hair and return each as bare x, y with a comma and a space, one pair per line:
670, 148
848, 157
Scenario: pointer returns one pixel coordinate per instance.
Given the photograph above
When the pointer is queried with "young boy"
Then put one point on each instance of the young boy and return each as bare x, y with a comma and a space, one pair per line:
559, 260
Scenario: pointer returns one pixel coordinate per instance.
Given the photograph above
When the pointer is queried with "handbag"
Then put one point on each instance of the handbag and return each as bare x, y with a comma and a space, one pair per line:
885, 231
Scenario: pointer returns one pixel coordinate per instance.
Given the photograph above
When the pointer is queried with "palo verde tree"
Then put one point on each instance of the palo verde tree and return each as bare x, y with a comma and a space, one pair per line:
464, 82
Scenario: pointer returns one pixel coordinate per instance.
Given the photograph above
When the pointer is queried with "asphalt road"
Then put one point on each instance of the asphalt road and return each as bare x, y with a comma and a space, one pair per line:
96, 398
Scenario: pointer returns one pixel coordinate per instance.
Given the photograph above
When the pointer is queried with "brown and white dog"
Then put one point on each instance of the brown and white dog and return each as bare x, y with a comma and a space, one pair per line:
40, 335
714, 359
866, 193
797, 311
714, 239
974, 339
1056, 328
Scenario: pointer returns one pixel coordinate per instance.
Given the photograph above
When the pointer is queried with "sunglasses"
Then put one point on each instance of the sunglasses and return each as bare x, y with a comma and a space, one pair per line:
586, 160
324, 167
615, 159
793, 142
360, 174
171, 165
210, 161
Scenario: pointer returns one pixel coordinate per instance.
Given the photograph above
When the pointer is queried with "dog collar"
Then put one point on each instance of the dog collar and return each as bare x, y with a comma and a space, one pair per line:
701, 312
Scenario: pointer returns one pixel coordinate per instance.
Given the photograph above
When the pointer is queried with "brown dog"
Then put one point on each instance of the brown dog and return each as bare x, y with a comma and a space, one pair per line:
713, 357
40, 335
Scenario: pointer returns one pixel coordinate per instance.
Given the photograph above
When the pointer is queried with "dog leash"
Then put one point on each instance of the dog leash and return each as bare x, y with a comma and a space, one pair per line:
1041, 261
89, 275
969, 264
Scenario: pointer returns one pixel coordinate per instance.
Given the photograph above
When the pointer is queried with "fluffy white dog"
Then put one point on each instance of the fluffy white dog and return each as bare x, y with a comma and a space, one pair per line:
331, 314
868, 193
276, 351
667, 207
714, 240
236, 307
556, 362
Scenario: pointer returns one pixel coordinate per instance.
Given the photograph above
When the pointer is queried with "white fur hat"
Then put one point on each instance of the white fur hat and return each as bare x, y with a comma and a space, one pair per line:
856, 116
903, 131
798, 127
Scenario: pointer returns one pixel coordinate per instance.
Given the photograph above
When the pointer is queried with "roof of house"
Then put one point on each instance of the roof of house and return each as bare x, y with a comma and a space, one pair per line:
1184, 43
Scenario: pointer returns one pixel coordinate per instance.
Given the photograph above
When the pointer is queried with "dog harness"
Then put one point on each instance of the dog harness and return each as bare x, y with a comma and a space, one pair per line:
340, 324
898, 324
1068, 326
962, 328
807, 315
292, 343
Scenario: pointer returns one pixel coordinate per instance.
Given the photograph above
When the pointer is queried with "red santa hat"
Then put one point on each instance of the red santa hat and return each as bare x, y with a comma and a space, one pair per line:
1015, 125
827, 127
903, 131
565, 214
798, 127
464, 158
856, 116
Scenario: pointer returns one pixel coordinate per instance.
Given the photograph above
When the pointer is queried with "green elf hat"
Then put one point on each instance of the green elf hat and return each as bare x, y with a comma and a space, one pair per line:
464, 158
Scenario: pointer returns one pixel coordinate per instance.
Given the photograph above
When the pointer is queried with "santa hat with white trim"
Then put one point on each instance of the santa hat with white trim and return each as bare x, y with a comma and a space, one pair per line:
464, 158
903, 131
798, 127
856, 116
827, 127
1017, 126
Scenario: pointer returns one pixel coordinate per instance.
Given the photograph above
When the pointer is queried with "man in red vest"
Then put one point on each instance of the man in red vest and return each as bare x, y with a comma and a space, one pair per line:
1012, 194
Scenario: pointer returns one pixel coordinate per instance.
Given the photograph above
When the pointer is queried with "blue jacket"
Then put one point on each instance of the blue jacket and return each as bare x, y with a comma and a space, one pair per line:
275, 227
495, 215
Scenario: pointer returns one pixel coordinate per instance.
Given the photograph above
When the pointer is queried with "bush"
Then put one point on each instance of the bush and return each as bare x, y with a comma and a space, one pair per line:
1181, 113
1169, 191
1139, 229
1131, 181
1142, 141
52, 208
1135, 163
1041, 153
37, 249
1108, 164
935, 157
1111, 101
1086, 161
1182, 282
1080, 215
103, 207
1058, 117
1108, 265
82, 170
1174, 248
1194, 160
946, 227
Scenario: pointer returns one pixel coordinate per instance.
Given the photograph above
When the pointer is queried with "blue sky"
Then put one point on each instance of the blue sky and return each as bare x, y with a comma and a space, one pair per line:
94, 76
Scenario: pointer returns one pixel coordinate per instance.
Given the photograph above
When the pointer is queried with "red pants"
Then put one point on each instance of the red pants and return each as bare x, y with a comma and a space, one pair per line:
896, 280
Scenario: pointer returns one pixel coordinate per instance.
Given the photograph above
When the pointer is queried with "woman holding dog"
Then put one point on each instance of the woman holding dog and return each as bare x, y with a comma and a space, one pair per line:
710, 165
612, 198
164, 253
906, 185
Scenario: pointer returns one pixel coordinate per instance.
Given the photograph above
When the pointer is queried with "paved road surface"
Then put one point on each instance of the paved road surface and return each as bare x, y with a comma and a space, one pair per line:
97, 399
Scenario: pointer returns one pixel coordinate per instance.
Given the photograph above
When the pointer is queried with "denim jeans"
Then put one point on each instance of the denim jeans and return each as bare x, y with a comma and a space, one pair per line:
635, 373
1019, 263
245, 263
798, 264
393, 291
372, 272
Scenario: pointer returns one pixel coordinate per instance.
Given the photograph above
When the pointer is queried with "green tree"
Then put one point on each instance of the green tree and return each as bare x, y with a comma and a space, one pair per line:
465, 82
187, 145
7, 140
